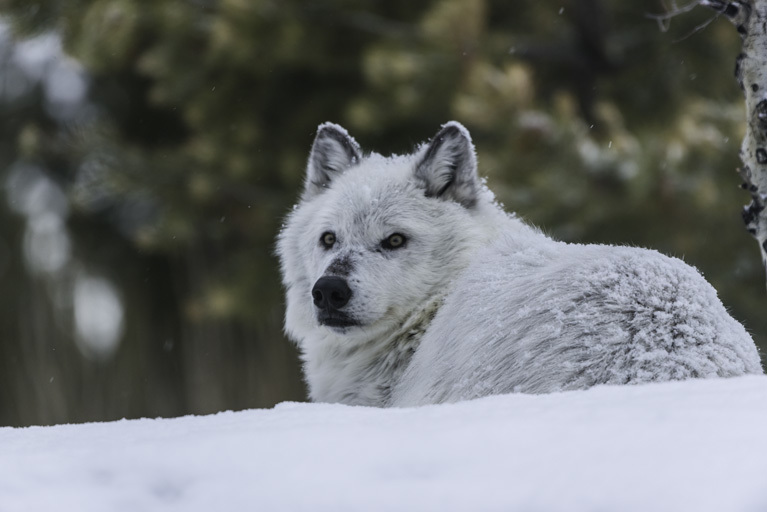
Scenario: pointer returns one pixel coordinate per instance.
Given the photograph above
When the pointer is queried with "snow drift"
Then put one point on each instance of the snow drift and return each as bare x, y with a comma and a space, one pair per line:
693, 445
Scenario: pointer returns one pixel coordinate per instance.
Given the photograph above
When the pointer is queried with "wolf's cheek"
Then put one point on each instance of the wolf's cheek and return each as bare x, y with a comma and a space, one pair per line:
299, 316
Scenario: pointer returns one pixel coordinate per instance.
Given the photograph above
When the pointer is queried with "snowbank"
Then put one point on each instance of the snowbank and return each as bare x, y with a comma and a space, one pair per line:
696, 445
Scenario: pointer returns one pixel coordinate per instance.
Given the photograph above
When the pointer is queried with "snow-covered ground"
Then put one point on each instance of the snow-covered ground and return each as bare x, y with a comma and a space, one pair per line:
696, 445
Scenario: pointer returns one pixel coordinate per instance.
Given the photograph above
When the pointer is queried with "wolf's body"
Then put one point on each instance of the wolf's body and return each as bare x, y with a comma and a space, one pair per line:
407, 284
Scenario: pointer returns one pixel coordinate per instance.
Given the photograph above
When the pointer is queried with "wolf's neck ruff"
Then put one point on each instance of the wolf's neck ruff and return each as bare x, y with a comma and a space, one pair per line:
365, 373
395, 354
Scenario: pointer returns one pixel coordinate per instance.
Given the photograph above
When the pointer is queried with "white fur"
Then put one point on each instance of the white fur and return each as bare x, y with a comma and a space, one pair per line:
477, 302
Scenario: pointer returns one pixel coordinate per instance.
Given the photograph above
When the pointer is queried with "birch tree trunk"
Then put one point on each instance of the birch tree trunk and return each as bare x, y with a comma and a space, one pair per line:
750, 18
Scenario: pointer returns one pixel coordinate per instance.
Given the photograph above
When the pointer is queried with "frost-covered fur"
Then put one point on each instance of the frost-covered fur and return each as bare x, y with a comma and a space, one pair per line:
475, 302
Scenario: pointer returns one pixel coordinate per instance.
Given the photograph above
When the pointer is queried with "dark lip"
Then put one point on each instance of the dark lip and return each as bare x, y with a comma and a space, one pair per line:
335, 320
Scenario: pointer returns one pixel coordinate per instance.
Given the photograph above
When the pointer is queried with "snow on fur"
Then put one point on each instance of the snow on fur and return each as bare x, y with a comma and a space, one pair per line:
629, 316
694, 445
476, 302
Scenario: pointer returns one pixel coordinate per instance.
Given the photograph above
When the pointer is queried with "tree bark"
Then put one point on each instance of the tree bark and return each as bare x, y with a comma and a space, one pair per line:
750, 18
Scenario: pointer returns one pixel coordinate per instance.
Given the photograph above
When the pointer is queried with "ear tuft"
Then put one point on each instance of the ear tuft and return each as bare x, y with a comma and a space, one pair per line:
333, 151
448, 167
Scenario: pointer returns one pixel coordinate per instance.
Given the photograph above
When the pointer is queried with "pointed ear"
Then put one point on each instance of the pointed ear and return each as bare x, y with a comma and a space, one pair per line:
448, 167
333, 151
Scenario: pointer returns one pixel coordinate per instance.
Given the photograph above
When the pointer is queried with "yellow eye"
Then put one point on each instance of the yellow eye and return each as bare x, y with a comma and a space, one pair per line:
394, 241
328, 239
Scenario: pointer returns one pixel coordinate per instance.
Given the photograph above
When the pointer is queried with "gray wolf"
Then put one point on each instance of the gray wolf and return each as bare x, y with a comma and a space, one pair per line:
407, 283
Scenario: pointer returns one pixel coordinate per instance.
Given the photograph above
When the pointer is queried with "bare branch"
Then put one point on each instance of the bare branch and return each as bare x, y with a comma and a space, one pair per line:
697, 29
664, 20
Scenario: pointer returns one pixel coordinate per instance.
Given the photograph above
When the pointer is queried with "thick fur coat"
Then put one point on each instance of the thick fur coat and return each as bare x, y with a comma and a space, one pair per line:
407, 284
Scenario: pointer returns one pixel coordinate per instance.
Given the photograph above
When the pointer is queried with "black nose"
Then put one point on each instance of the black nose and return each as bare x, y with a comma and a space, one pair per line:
331, 292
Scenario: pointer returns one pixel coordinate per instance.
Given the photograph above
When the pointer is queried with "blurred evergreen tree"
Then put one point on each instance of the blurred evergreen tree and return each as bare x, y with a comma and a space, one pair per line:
588, 121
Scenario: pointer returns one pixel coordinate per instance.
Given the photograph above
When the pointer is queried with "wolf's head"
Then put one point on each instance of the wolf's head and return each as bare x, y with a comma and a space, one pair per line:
373, 239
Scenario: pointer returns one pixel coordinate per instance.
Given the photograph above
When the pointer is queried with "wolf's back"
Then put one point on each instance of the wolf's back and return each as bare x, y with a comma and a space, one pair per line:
555, 316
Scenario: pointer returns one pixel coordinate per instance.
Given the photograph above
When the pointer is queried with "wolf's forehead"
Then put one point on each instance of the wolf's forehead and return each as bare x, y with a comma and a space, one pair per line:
369, 210
376, 195
376, 172
374, 184
367, 203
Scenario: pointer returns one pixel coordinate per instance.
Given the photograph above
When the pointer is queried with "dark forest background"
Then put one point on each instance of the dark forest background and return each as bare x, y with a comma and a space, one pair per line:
150, 149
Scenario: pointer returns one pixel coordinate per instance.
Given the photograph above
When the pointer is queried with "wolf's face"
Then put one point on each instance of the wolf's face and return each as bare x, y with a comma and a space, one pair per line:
374, 238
